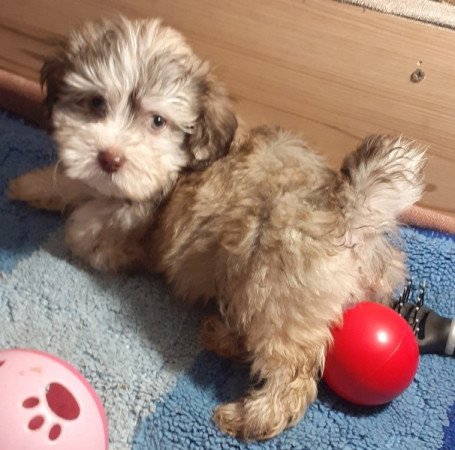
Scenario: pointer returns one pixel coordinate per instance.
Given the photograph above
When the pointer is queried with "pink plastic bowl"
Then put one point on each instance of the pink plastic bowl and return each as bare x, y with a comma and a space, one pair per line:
45, 403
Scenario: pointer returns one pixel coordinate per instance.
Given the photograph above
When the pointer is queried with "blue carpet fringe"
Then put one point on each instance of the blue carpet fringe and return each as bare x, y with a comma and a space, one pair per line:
138, 349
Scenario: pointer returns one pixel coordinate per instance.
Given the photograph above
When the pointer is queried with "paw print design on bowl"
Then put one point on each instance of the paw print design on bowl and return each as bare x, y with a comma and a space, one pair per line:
47, 403
60, 401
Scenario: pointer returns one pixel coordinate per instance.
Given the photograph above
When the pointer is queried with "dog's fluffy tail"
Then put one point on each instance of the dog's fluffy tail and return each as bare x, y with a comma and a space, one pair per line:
383, 177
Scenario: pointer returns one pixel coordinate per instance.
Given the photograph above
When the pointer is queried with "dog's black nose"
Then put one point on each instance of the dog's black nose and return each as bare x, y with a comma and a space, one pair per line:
110, 161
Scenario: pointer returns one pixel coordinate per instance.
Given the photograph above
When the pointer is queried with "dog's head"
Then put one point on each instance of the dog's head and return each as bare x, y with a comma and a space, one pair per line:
131, 106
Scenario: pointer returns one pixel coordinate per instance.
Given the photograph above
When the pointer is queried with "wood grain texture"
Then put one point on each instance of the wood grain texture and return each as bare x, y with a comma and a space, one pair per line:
331, 71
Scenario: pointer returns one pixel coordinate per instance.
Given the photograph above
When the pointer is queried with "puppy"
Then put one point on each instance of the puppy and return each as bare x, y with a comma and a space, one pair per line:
157, 172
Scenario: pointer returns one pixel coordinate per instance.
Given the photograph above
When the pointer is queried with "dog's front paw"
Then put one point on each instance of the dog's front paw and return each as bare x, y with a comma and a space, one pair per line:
92, 233
34, 188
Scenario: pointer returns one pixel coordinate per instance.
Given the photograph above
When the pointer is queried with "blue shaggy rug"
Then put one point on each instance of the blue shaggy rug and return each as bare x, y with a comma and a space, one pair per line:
139, 349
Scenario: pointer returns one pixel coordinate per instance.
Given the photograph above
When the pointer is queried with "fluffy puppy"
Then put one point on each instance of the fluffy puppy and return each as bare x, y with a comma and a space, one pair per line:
157, 173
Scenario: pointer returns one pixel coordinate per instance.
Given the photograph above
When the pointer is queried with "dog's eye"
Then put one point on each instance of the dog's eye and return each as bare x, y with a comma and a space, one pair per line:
97, 105
158, 122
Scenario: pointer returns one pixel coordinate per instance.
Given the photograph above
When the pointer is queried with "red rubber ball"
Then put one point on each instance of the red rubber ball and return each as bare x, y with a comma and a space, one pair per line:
374, 357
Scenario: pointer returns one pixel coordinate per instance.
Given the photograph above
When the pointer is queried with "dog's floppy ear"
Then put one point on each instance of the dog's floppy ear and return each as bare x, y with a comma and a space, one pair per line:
214, 130
52, 74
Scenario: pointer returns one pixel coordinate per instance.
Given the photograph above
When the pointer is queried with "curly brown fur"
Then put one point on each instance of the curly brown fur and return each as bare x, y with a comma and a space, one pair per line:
250, 219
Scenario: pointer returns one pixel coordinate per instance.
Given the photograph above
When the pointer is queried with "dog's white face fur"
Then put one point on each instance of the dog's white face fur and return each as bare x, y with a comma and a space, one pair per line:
134, 91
